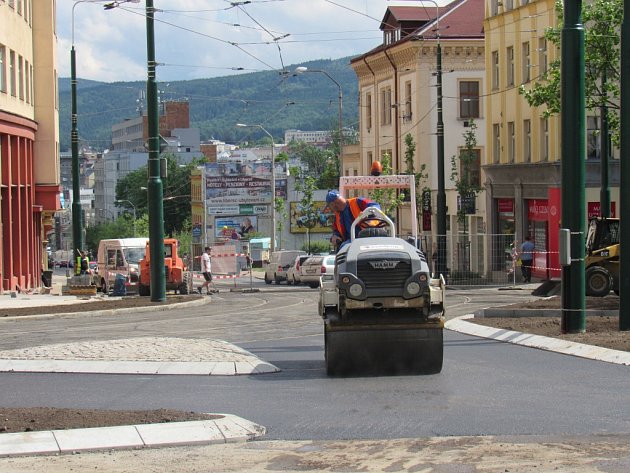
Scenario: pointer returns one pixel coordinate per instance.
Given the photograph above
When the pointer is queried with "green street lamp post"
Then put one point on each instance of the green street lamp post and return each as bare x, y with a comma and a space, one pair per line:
273, 184
302, 70
440, 264
77, 214
154, 184
573, 138
624, 197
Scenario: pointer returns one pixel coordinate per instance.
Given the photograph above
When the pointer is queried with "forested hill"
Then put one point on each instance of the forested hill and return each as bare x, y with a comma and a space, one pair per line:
308, 101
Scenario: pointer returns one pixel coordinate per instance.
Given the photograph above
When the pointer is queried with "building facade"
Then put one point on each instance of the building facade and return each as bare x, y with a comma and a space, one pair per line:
398, 97
523, 160
29, 139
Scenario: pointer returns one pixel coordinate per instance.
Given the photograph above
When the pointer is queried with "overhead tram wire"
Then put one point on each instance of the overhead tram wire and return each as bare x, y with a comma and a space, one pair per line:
236, 45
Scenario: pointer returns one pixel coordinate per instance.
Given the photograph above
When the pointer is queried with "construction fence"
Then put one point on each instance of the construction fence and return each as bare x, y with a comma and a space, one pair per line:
486, 259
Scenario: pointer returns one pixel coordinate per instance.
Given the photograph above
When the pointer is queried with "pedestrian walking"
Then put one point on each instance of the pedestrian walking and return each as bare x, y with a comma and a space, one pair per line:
206, 270
527, 259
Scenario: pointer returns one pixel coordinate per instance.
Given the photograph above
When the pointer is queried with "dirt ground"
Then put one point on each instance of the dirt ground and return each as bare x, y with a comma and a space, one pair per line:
46, 418
98, 303
600, 331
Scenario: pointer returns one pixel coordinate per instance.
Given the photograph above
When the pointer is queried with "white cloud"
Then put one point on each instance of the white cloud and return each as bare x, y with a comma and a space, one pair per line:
111, 45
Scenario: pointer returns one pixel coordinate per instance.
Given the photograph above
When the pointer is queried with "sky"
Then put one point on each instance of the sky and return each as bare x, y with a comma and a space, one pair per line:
209, 38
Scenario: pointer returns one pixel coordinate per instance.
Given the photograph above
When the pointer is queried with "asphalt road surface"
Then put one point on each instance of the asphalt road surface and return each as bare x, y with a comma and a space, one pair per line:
486, 388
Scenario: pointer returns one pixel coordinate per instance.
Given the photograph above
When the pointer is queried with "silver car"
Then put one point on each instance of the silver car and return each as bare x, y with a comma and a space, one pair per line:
311, 271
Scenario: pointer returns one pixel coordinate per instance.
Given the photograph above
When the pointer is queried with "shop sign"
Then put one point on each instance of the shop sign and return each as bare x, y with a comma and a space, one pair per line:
506, 207
537, 209
593, 209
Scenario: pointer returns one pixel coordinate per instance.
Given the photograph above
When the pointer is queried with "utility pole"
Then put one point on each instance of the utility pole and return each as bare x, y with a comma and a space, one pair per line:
154, 185
624, 230
573, 138
604, 193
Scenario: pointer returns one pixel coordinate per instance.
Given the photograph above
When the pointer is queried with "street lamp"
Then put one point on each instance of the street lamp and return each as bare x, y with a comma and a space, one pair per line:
440, 267
133, 208
302, 70
77, 215
273, 184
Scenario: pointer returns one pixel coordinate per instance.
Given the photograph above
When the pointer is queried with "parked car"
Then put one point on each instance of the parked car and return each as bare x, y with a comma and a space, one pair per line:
328, 265
293, 274
279, 264
311, 271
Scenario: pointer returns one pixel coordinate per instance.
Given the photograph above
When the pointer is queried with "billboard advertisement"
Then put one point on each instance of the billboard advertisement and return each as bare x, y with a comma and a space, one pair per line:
238, 183
323, 216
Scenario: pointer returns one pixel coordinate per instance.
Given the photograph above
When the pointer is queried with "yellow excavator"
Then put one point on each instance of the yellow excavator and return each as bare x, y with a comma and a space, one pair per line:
602, 257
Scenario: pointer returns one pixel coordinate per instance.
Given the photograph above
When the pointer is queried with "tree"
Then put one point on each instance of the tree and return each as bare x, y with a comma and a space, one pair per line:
420, 176
602, 20
176, 191
280, 206
388, 199
307, 217
462, 174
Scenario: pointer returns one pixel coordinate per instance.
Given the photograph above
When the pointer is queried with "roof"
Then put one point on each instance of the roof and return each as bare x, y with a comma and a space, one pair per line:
460, 19
463, 19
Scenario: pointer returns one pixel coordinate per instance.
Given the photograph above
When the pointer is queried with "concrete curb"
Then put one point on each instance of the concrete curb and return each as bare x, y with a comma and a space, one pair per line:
515, 313
581, 350
227, 429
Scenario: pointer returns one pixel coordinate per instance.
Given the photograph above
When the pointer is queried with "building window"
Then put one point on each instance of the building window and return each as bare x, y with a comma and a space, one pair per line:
509, 62
494, 7
496, 143
544, 139
368, 112
593, 138
3, 69
12, 73
509, 4
495, 70
407, 115
469, 99
386, 106
542, 56
27, 81
20, 77
511, 142
527, 141
471, 168
526, 61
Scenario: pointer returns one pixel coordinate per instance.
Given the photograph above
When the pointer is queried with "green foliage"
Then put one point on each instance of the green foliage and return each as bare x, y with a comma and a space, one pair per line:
461, 171
176, 191
307, 211
120, 228
420, 176
388, 199
316, 247
280, 206
602, 21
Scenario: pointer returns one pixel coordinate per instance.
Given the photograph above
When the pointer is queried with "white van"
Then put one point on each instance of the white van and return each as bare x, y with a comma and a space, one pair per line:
119, 256
279, 264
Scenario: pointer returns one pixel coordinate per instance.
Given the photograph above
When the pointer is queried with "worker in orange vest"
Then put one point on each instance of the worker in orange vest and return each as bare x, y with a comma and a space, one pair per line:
346, 211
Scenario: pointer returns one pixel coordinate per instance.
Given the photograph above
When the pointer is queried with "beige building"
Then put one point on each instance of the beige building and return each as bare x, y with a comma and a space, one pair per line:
29, 139
398, 97
522, 162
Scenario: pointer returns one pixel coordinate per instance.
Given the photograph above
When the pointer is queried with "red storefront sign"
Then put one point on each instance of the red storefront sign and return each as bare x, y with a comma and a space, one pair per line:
505, 206
537, 210
594, 209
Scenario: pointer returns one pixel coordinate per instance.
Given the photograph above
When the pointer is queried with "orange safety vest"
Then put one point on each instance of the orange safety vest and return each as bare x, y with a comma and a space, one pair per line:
354, 209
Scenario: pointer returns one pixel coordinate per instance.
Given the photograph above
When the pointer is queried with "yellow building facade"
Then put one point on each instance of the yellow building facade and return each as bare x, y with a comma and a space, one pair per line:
523, 158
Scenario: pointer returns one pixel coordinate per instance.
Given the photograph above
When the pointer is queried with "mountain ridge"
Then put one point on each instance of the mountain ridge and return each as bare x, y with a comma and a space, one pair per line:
307, 101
